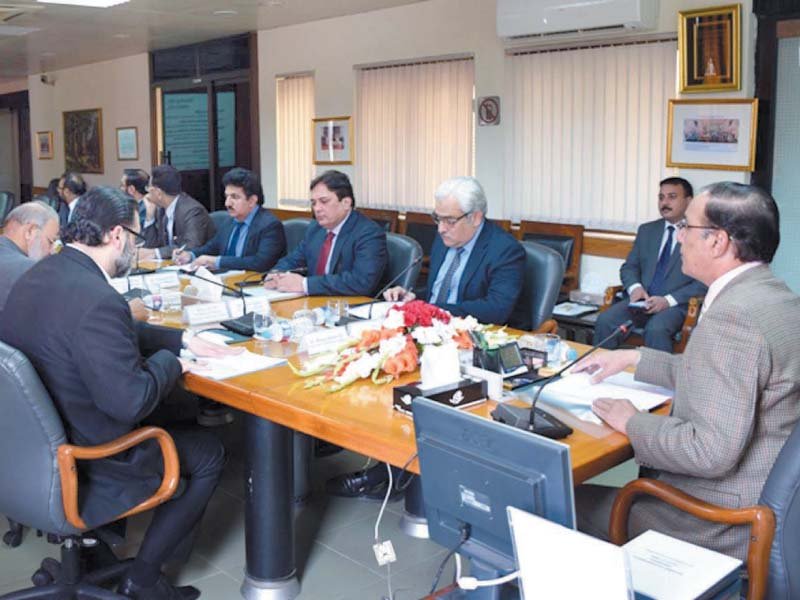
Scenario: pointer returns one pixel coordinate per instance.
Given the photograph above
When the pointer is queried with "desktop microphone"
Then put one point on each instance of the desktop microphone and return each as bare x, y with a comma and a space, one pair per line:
239, 293
394, 280
524, 418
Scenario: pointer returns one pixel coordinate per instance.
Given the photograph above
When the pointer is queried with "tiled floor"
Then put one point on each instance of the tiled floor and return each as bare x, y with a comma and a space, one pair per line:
334, 541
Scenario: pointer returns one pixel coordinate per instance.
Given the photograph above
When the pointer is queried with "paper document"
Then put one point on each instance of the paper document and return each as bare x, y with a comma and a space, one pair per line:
258, 291
572, 309
576, 393
379, 310
231, 366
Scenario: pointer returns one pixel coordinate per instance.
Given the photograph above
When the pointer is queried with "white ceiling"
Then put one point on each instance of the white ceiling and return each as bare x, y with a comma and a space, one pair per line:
66, 36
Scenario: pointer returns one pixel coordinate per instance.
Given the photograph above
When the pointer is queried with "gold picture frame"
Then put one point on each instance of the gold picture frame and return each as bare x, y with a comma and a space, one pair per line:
710, 49
332, 141
83, 140
712, 134
127, 143
44, 145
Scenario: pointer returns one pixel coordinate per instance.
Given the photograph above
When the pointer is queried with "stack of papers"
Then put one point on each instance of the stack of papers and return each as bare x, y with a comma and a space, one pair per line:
573, 309
231, 366
259, 291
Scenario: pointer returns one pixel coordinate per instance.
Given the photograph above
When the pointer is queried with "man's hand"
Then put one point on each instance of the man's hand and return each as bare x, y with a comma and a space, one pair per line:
615, 412
205, 261
181, 258
639, 294
285, 282
138, 309
398, 294
606, 364
655, 304
203, 348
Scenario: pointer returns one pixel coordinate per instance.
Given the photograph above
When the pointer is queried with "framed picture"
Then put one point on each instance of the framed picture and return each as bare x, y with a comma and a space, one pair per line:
44, 145
127, 143
709, 46
83, 140
332, 141
712, 134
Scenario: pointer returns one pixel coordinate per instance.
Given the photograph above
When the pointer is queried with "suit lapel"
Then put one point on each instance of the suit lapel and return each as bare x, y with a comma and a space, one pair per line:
251, 233
476, 257
344, 232
438, 252
654, 240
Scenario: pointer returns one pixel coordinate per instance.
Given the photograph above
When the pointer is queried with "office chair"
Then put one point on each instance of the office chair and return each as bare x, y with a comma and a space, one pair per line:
295, 229
564, 238
402, 251
39, 469
773, 557
544, 272
219, 218
387, 219
49, 200
7, 204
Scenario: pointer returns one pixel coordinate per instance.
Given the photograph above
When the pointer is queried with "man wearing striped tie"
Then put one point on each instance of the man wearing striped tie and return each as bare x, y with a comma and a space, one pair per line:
652, 276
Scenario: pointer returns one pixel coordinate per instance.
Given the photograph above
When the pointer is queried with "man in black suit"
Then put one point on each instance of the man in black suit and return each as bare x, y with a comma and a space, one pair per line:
71, 187
135, 182
253, 239
106, 373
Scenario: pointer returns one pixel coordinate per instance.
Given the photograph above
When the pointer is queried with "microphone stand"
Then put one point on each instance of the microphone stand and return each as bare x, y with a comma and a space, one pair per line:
394, 280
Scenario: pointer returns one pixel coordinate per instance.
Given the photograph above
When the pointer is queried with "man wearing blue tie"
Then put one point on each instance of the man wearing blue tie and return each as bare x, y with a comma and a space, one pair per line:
652, 274
253, 239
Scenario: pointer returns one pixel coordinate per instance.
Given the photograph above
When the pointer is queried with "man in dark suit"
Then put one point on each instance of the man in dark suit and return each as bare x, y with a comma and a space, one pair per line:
106, 373
652, 274
71, 187
476, 268
135, 182
253, 239
179, 222
343, 252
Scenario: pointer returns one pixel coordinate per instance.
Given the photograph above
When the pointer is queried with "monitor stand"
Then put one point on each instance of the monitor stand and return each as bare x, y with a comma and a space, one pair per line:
483, 571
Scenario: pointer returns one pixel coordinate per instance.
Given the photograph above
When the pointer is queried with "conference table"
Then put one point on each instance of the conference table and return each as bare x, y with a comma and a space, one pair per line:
360, 418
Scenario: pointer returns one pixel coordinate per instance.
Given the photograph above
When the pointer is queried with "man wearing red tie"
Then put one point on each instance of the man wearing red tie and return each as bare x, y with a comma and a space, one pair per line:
343, 252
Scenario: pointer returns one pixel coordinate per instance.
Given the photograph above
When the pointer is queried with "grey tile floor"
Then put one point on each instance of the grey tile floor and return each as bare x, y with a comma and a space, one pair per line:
334, 541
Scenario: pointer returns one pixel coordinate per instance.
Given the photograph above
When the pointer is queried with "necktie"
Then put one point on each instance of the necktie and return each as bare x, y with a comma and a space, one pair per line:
234, 241
324, 253
447, 282
164, 233
657, 284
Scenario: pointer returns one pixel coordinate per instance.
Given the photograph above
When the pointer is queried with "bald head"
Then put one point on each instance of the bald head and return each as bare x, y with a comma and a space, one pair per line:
33, 227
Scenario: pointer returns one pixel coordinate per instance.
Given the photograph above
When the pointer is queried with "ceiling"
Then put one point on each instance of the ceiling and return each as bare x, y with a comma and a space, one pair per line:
37, 37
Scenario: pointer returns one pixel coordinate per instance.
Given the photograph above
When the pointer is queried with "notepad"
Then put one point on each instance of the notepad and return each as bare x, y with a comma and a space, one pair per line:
231, 366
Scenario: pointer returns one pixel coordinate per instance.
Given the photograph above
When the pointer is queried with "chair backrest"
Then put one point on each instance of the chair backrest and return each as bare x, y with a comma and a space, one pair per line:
295, 229
30, 433
421, 227
7, 204
781, 493
565, 239
219, 217
385, 218
544, 271
403, 251
51, 202
284, 214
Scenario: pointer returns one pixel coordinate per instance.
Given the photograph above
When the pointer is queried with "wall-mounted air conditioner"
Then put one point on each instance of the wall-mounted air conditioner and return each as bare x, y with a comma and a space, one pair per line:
531, 18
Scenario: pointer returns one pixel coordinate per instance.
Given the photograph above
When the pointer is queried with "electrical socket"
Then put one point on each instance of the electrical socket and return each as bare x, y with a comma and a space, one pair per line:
384, 553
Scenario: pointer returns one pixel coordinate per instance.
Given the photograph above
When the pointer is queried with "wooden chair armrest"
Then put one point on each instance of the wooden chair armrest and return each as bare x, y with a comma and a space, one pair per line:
548, 326
608, 297
689, 323
760, 518
68, 454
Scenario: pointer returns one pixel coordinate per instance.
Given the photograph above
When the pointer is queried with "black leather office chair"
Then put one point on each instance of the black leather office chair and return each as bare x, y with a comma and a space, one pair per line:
219, 217
51, 202
7, 204
295, 229
544, 272
40, 481
403, 251
773, 557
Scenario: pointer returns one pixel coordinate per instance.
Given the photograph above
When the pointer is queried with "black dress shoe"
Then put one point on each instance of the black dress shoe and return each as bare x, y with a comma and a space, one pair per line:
162, 590
361, 484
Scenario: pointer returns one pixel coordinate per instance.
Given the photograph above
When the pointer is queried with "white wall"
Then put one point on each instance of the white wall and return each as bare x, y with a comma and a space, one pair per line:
121, 88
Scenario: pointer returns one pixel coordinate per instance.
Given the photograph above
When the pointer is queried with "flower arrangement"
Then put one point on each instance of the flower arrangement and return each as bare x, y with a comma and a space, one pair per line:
386, 353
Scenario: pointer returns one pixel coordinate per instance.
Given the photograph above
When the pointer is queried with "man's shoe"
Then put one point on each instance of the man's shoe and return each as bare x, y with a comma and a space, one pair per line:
214, 415
162, 590
349, 485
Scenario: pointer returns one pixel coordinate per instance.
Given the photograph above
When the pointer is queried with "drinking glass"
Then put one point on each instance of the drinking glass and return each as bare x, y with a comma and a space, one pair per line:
261, 322
335, 310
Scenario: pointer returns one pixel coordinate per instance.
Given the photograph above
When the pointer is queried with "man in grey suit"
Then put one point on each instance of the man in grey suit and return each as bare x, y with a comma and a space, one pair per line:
180, 221
652, 275
30, 232
737, 390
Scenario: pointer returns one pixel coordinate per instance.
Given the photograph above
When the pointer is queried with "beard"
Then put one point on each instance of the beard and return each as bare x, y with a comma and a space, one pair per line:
124, 262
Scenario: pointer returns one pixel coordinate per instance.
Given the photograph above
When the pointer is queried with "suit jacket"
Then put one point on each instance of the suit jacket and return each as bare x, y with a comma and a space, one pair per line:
191, 226
265, 244
640, 266
63, 212
357, 262
737, 399
104, 371
492, 279
13, 263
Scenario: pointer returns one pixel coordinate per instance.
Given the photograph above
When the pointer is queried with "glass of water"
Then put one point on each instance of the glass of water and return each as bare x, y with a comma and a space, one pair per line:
261, 322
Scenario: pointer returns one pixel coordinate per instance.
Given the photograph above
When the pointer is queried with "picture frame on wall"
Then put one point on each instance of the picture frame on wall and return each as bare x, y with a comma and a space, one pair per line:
83, 140
127, 143
332, 141
709, 47
712, 134
44, 145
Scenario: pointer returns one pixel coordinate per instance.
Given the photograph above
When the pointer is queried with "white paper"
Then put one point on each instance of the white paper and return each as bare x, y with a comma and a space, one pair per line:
572, 309
120, 284
379, 310
557, 562
258, 291
231, 366
665, 568
205, 312
206, 290
163, 280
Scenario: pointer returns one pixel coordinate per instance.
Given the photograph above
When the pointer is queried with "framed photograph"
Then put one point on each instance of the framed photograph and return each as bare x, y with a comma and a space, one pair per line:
44, 145
83, 140
709, 46
712, 134
127, 143
332, 141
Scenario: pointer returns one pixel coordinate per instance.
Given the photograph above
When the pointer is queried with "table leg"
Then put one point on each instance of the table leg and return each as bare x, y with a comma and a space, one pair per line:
269, 522
413, 521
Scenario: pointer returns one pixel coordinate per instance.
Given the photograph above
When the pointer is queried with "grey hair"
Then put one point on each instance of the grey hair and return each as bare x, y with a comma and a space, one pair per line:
37, 212
466, 190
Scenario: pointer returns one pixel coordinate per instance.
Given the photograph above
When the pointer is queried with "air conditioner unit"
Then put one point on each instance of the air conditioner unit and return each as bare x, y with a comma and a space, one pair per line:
529, 18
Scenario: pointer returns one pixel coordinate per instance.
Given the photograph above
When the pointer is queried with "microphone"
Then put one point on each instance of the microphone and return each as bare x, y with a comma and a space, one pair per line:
524, 418
394, 280
238, 292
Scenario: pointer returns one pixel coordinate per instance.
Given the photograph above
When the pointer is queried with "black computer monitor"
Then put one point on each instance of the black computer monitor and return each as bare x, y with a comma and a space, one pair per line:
472, 468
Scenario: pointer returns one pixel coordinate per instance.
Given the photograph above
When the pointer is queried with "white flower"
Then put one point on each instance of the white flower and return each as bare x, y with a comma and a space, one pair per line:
392, 346
427, 335
394, 319
468, 323
359, 369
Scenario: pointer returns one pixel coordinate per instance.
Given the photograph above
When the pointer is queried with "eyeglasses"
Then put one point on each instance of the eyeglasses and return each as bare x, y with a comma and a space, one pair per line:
136, 234
682, 224
448, 221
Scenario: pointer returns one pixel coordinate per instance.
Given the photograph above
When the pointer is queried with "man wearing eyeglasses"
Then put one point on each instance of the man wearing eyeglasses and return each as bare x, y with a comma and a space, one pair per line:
652, 276
476, 268
30, 233
737, 390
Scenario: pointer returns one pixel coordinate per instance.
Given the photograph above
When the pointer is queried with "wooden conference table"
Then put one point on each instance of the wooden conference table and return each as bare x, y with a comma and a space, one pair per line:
359, 418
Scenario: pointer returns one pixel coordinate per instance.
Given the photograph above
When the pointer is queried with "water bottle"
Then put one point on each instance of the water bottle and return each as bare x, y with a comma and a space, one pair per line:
278, 331
317, 316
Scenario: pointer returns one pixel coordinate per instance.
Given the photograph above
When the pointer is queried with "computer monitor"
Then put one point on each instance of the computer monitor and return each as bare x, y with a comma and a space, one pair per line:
472, 468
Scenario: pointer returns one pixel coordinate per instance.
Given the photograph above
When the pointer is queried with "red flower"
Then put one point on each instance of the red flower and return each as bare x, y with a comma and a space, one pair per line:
421, 313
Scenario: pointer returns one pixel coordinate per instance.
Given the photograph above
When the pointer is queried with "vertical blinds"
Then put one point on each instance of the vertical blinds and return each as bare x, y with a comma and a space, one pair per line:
294, 112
